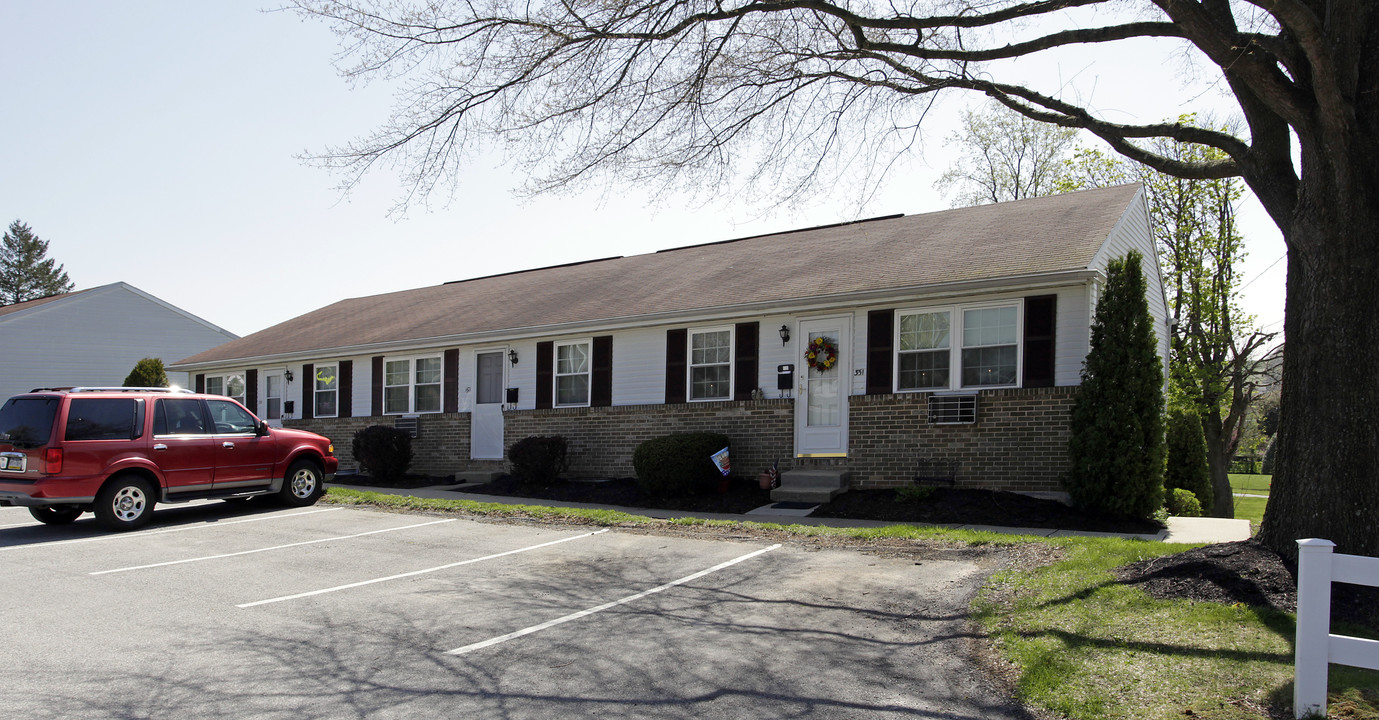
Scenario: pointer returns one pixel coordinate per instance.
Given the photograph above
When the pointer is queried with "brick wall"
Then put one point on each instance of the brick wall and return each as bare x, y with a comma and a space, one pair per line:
1019, 441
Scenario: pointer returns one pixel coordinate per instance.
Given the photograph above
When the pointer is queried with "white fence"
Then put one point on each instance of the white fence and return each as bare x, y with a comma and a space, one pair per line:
1316, 647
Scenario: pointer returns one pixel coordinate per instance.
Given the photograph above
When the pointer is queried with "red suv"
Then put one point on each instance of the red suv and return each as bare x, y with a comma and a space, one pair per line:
118, 451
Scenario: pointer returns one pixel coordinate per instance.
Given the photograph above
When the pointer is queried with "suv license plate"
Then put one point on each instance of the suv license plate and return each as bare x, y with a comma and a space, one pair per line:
14, 462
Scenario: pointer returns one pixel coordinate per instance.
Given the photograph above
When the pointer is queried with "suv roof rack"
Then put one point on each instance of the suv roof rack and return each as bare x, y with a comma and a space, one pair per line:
113, 389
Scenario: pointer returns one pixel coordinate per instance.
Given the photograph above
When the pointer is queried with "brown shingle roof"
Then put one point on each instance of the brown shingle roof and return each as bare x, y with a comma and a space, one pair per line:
1027, 237
29, 304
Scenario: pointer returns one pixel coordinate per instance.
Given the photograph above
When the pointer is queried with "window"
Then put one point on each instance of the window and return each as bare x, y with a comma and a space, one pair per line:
327, 393
710, 365
412, 385
231, 386
572, 374
989, 351
181, 416
103, 419
230, 418
924, 351
987, 356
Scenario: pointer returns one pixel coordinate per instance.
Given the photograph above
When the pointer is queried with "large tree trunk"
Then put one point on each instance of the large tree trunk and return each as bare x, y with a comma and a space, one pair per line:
1219, 453
1326, 483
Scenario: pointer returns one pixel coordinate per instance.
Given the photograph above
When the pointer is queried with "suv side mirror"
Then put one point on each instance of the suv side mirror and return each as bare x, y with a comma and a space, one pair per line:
261, 429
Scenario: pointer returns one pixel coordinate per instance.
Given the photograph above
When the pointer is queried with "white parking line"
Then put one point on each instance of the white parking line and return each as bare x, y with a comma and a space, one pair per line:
18, 524
418, 572
198, 526
585, 613
267, 549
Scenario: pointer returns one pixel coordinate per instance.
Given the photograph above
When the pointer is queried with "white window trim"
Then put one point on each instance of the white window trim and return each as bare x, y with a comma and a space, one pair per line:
689, 362
556, 375
224, 380
316, 406
411, 384
955, 345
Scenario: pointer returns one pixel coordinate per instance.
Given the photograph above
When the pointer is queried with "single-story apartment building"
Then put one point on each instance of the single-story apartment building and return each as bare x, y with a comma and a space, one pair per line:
874, 348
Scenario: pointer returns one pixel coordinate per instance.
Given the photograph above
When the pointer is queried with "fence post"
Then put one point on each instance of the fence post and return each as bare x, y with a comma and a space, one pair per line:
1311, 658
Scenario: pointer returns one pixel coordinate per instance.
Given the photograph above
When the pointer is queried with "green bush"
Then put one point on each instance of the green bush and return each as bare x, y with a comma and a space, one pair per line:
384, 452
538, 460
1116, 444
1268, 467
1182, 503
148, 372
1187, 457
678, 464
914, 493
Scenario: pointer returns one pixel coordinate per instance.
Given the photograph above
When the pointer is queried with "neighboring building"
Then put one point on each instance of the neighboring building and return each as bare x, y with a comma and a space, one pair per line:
94, 338
959, 339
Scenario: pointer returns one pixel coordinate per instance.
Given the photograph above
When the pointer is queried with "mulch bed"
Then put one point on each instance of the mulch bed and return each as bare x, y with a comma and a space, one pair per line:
739, 497
981, 507
1243, 572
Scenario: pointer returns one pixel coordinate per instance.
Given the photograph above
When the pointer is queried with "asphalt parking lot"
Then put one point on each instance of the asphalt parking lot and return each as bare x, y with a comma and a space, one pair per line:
254, 611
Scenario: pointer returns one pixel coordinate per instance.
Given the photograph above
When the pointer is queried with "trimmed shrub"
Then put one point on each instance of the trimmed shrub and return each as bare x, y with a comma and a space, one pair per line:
383, 451
1116, 446
1187, 457
538, 460
1182, 503
148, 372
678, 464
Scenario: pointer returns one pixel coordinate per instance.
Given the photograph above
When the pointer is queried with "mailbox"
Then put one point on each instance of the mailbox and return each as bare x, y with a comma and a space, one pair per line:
785, 377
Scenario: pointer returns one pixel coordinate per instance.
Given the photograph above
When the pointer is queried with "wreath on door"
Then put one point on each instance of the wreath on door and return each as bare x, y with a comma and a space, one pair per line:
822, 354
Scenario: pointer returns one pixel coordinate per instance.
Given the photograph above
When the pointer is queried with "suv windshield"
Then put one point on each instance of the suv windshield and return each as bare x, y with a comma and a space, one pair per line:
27, 420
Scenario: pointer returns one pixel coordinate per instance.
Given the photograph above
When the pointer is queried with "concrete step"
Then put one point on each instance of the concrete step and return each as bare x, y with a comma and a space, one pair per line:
813, 485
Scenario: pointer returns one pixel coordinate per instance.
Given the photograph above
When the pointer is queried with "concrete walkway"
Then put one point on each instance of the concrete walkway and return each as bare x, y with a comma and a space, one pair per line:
1180, 530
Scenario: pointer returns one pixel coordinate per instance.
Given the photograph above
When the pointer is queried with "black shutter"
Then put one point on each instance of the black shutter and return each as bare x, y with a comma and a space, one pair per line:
1040, 313
746, 348
601, 381
251, 390
676, 341
545, 374
201, 383
880, 352
308, 391
377, 395
345, 387
451, 387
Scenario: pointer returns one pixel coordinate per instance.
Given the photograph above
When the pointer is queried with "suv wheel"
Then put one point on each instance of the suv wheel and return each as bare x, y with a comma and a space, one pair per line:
302, 485
55, 514
125, 503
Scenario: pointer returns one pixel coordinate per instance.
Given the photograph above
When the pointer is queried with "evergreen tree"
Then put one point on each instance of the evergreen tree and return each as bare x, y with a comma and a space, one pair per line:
1187, 457
26, 273
148, 372
1116, 447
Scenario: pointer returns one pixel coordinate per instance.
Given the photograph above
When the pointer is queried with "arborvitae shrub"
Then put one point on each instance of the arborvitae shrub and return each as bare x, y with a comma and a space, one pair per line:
384, 452
678, 464
1268, 467
1182, 503
148, 372
1116, 444
1187, 457
538, 460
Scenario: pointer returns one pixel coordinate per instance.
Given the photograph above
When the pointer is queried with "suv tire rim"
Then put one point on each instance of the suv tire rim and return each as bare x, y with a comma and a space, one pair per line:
303, 483
129, 503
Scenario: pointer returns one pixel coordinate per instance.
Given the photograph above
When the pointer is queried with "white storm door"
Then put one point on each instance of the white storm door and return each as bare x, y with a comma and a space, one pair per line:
486, 420
273, 389
821, 400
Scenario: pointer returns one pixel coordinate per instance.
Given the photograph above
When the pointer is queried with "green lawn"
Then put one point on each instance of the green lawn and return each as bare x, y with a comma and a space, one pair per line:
1252, 484
1251, 508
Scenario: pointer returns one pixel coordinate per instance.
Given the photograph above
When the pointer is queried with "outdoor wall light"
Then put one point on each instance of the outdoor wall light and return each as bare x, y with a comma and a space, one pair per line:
288, 374
784, 335
512, 356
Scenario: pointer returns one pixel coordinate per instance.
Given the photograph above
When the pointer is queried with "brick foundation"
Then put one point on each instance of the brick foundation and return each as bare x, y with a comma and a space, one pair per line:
1019, 441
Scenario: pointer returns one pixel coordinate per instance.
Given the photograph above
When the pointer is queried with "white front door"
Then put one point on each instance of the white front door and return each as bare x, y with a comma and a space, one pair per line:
273, 389
486, 420
821, 401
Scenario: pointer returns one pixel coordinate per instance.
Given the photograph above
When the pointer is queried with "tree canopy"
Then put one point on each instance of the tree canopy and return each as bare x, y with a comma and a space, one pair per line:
26, 271
789, 97
1006, 156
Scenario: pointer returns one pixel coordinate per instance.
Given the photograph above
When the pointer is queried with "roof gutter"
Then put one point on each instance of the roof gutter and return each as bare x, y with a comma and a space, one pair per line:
933, 291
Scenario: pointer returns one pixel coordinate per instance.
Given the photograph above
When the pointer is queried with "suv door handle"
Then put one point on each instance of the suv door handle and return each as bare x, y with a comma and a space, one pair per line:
228, 445
160, 447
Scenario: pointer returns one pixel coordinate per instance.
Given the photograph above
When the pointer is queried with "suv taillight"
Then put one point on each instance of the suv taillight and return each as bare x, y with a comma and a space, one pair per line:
52, 461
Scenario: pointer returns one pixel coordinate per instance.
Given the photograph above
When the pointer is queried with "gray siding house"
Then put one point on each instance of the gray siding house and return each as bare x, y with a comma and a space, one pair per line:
94, 337
872, 349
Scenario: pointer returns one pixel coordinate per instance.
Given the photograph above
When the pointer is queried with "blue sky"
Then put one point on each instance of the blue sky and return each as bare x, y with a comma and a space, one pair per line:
154, 143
